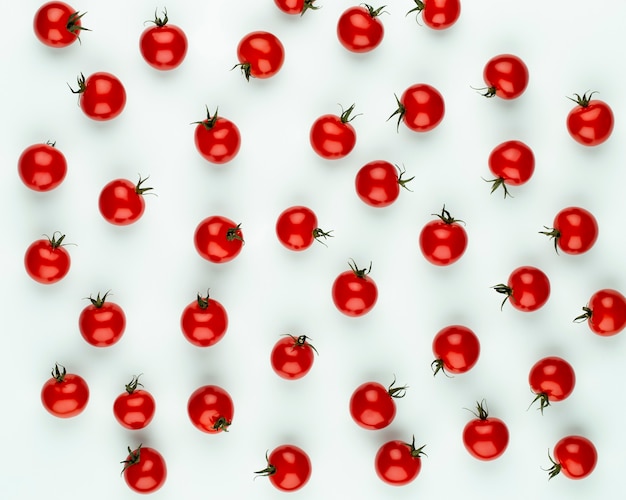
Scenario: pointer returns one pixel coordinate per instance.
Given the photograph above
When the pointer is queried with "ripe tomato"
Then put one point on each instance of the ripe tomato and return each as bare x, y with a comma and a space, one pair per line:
506, 76
378, 183
121, 202
359, 29
163, 46
551, 379
296, 228
574, 456
261, 55
42, 167
217, 139
64, 395
372, 405
605, 313
443, 241
354, 292
210, 409
101, 96
438, 14
46, 261
144, 470
527, 289
204, 321
333, 137
102, 323
513, 164
295, 6
58, 25
485, 438
398, 463
456, 349
134, 409
292, 357
574, 230
218, 239
591, 122
421, 107
288, 467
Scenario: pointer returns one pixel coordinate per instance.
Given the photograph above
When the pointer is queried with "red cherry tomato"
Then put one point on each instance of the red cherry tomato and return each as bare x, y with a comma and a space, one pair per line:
57, 25
605, 313
210, 409
359, 29
292, 357
121, 201
64, 395
354, 292
288, 468
372, 405
204, 322
513, 164
47, 261
42, 167
574, 230
456, 349
134, 409
218, 239
485, 438
163, 46
506, 76
443, 241
398, 463
421, 108
378, 183
102, 323
101, 96
296, 228
145, 470
575, 456
590, 123
527, 289
217, 139
333, 137
551, 379
294, 7
438, 14
261, 55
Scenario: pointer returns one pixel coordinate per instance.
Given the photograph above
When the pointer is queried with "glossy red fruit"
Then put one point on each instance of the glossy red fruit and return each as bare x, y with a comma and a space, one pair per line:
102, 96
295, 7
591, 122
456, 349
204, 321
288, 468
551, 379
513, 164
144, 470
575, 456
292, 357
42, 167
58, 25
261, 55
64, 395
437, 14
333, 137
372, 405
485, 437
443, 241
46, 260
102, 323
574, 230
217, 139
378, 183
163, 46
121, 202
210, 409
398, 463
354, 293
297, 229
359, 29
421, 108
506, 76
605, 313
527, 289
135, 408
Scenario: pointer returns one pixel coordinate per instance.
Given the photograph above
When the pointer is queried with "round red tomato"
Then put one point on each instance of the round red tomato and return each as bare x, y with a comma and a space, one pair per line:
443, 241
163, 46
121, 202
46, 261
359, 29
64, 395
217, 139
288, 467
372, 405
551, 379
218, 239
101, 96
527, 289
295, 6
421, 107
296, 228
378, 183
56, 24
398, 463
292, 357
438, 14
261, 55
354, 292
605, 313
210, 409
333, 137
574, 230
485, 438
456, 349
144, 470
102, 323
506, 76
134, 409
513, 164
574, 456
42, 167
590, 123
204, 321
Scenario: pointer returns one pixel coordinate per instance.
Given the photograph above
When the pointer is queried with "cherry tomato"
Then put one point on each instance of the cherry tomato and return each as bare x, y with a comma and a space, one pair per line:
292, 357
163, 46
42, 167
438, 14
590, 123
102, 323
295, 6
605, 313
58, 25
551, 379
443, 241
261, 55
64, 395
296, 228
456, 349
513, 164
47, 261
210, 409
354, 292
217, 139
378, 183
218, 239
398, 463
121, 202
145, 470
574, 456
134, 408
359, 29
333, 137
101, 96
574, 230
485, 438
204, 322
288, 467
421, 107
506, 76
527, 289
372, 405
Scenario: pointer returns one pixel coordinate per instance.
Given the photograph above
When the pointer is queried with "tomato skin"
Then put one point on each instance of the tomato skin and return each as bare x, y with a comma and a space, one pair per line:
372, 405
145, 470
591, 122
527, 289
576, 457
378, 183
551, 379
218, 239
64, 395
506, 76
354, 293
421, 107
443, 241
210, 409
398, 463
513, 164
102, 323
261, 54
217, 139
163, 46
575, 230
296, 228
57, 25
333, 137
359, 29
292, 357
121, 202
288, 468
42, 167
46, 260
204, 322
102, 96
456, 349
438, 14
485, 438
135, 408
606, 312
295, 7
